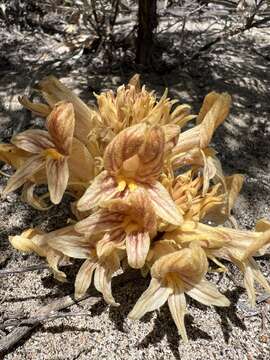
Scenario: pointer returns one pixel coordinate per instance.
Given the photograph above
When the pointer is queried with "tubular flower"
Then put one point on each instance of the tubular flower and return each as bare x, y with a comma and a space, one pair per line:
50, 151
131, 221
53, 91
102, 256
174, 274
236, 246
34, 240
134, 159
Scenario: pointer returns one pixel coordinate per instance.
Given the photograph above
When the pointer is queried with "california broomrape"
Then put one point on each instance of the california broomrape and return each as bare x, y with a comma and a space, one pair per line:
145, 191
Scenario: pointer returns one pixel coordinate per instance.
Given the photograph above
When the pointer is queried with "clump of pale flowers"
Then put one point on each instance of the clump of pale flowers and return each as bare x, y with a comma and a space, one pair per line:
145, 190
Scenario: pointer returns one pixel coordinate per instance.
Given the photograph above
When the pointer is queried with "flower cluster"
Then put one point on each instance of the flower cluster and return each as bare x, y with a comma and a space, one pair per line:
145, 192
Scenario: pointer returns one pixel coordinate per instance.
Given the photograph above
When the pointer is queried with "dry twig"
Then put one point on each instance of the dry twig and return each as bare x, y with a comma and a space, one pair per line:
49, 312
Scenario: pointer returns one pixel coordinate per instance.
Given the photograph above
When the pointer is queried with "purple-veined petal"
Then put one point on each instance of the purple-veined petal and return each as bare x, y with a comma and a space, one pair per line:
60, 124
24, 172
137, 246
110, 241
103, 188
73, 246
164, 206
57, 176
99, 221
33, 141
102, 280
84, 277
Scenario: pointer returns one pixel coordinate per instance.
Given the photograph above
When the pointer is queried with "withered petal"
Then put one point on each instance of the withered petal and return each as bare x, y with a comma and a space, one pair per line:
207, 294
60, 124
153, 298
57, 176
137, 247
38, 109
84, 277
33, 141
24, 173
102, 188
163, 204
178, 309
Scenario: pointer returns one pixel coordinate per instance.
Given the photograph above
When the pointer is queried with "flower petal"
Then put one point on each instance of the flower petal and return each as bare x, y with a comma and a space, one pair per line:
151, 155
110, 241
103, 188
153, 298
123, 147
53, 259
80, 155
36, 108
31, 198
208, 102
189, 263
164, 205
207, 294
24, 172
103, 276
74, 246
137, 246
178, 309
12, 155
213, 118
84, 277
201, 135
33, 141
57, 176
98, 222
60, 124
142, 210
54, 91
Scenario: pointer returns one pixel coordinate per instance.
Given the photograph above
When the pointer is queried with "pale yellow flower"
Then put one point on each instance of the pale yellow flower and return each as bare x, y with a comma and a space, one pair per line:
237, 246
33, 240
174, 274
55, 151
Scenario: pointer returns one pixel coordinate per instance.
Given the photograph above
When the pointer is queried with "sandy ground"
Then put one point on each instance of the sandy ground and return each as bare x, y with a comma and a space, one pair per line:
237, 332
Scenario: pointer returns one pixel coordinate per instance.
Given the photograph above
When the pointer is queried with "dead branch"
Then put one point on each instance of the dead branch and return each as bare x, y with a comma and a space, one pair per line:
7, 272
